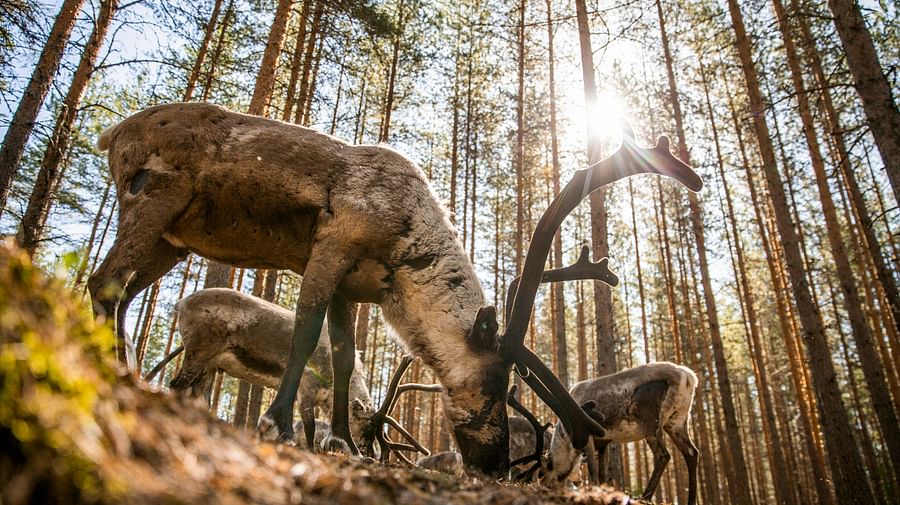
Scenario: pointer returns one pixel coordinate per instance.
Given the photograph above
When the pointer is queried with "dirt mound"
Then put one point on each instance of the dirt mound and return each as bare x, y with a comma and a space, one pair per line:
74, 429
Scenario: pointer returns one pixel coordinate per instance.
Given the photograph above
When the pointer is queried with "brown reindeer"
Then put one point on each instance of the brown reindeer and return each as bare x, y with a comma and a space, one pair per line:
639, 403
361, 224
250, 339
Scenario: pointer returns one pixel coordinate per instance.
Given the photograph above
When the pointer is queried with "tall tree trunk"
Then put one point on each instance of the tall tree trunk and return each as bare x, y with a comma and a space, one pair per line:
780, 469
640, 277
306, 106
296, 62
520, 139
52, 165
834, 127
454, 135
174, 324
798, 374
23, 121
735, 445
89, 244
201, 52
606, 350
265, 78
217, 51
559, 301
872, 84
873, 370
774, 444
392, 76
850, 480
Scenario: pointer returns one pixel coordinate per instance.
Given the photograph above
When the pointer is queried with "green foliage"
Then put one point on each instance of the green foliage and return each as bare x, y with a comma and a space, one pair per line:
56, 366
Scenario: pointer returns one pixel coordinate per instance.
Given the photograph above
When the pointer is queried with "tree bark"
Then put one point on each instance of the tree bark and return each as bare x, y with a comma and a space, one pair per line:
872, 84
52, 167
520, 139
201, 52
606, 350
559, 301
26, 114
265, 78
873, 370
296, 62
732, 428
849, 476
392, 77
217, 51
842, 156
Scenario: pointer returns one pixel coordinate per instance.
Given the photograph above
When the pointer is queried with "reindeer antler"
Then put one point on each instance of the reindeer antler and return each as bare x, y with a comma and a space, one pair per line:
374, 430
582, 269
539, 430
629, 159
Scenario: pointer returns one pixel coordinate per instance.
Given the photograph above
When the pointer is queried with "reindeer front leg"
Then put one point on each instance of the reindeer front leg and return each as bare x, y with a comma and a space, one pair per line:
328, 263
343, 354
131, 265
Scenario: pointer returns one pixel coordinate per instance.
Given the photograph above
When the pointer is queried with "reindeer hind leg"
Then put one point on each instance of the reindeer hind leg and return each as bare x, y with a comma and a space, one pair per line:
660, 460
682, 439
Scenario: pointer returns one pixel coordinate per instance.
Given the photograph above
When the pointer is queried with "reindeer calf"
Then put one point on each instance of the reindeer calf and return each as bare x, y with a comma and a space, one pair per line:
250, 339
639, 403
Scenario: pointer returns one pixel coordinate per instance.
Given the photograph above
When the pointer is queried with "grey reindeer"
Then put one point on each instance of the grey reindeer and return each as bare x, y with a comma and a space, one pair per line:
639, 403
250, 339
361, 224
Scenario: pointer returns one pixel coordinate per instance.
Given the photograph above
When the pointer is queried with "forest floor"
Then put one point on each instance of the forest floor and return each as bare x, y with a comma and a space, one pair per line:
74, 429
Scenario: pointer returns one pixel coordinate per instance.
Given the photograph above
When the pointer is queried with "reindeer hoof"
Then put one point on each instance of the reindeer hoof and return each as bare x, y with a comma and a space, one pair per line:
268, 430
335, 444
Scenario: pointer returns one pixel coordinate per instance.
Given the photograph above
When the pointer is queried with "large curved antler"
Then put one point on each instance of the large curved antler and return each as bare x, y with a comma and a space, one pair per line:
629, 159
374, 430
539, 430
582, 269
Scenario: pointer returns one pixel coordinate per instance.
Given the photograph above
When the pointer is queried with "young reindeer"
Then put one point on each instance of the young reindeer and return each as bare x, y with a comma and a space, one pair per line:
639, 403
250, 339
361, 224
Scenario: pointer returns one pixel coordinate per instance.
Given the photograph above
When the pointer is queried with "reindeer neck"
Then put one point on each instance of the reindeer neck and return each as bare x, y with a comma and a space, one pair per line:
433, 308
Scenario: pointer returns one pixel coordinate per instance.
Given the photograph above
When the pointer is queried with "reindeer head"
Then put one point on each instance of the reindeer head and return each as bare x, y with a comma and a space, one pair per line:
482, 430
477, 408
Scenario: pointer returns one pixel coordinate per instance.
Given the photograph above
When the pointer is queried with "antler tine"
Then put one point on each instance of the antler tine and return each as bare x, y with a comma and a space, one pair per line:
414, 444
583, 269
628, 160
539, 430
374, 430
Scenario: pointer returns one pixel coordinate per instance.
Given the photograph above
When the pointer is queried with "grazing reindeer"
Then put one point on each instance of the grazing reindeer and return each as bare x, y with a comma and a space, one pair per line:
250, 338
449, 462
361, 224
639, 403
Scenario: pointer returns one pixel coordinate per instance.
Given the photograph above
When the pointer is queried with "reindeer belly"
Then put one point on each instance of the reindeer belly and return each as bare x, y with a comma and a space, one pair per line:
628, 430
235, 365
246, 236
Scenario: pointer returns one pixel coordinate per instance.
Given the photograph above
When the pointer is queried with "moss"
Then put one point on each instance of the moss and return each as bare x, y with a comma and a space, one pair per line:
55, 366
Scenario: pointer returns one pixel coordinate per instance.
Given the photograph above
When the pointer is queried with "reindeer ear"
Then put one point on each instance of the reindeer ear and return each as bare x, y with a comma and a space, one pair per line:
590, 407
483, 336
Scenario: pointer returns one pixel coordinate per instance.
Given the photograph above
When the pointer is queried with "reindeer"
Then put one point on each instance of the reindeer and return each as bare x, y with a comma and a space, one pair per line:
250, 339
639, 403
361, 224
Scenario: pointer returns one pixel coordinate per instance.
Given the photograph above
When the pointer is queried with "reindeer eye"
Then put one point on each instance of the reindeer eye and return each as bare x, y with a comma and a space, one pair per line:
484, 326
139, 181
